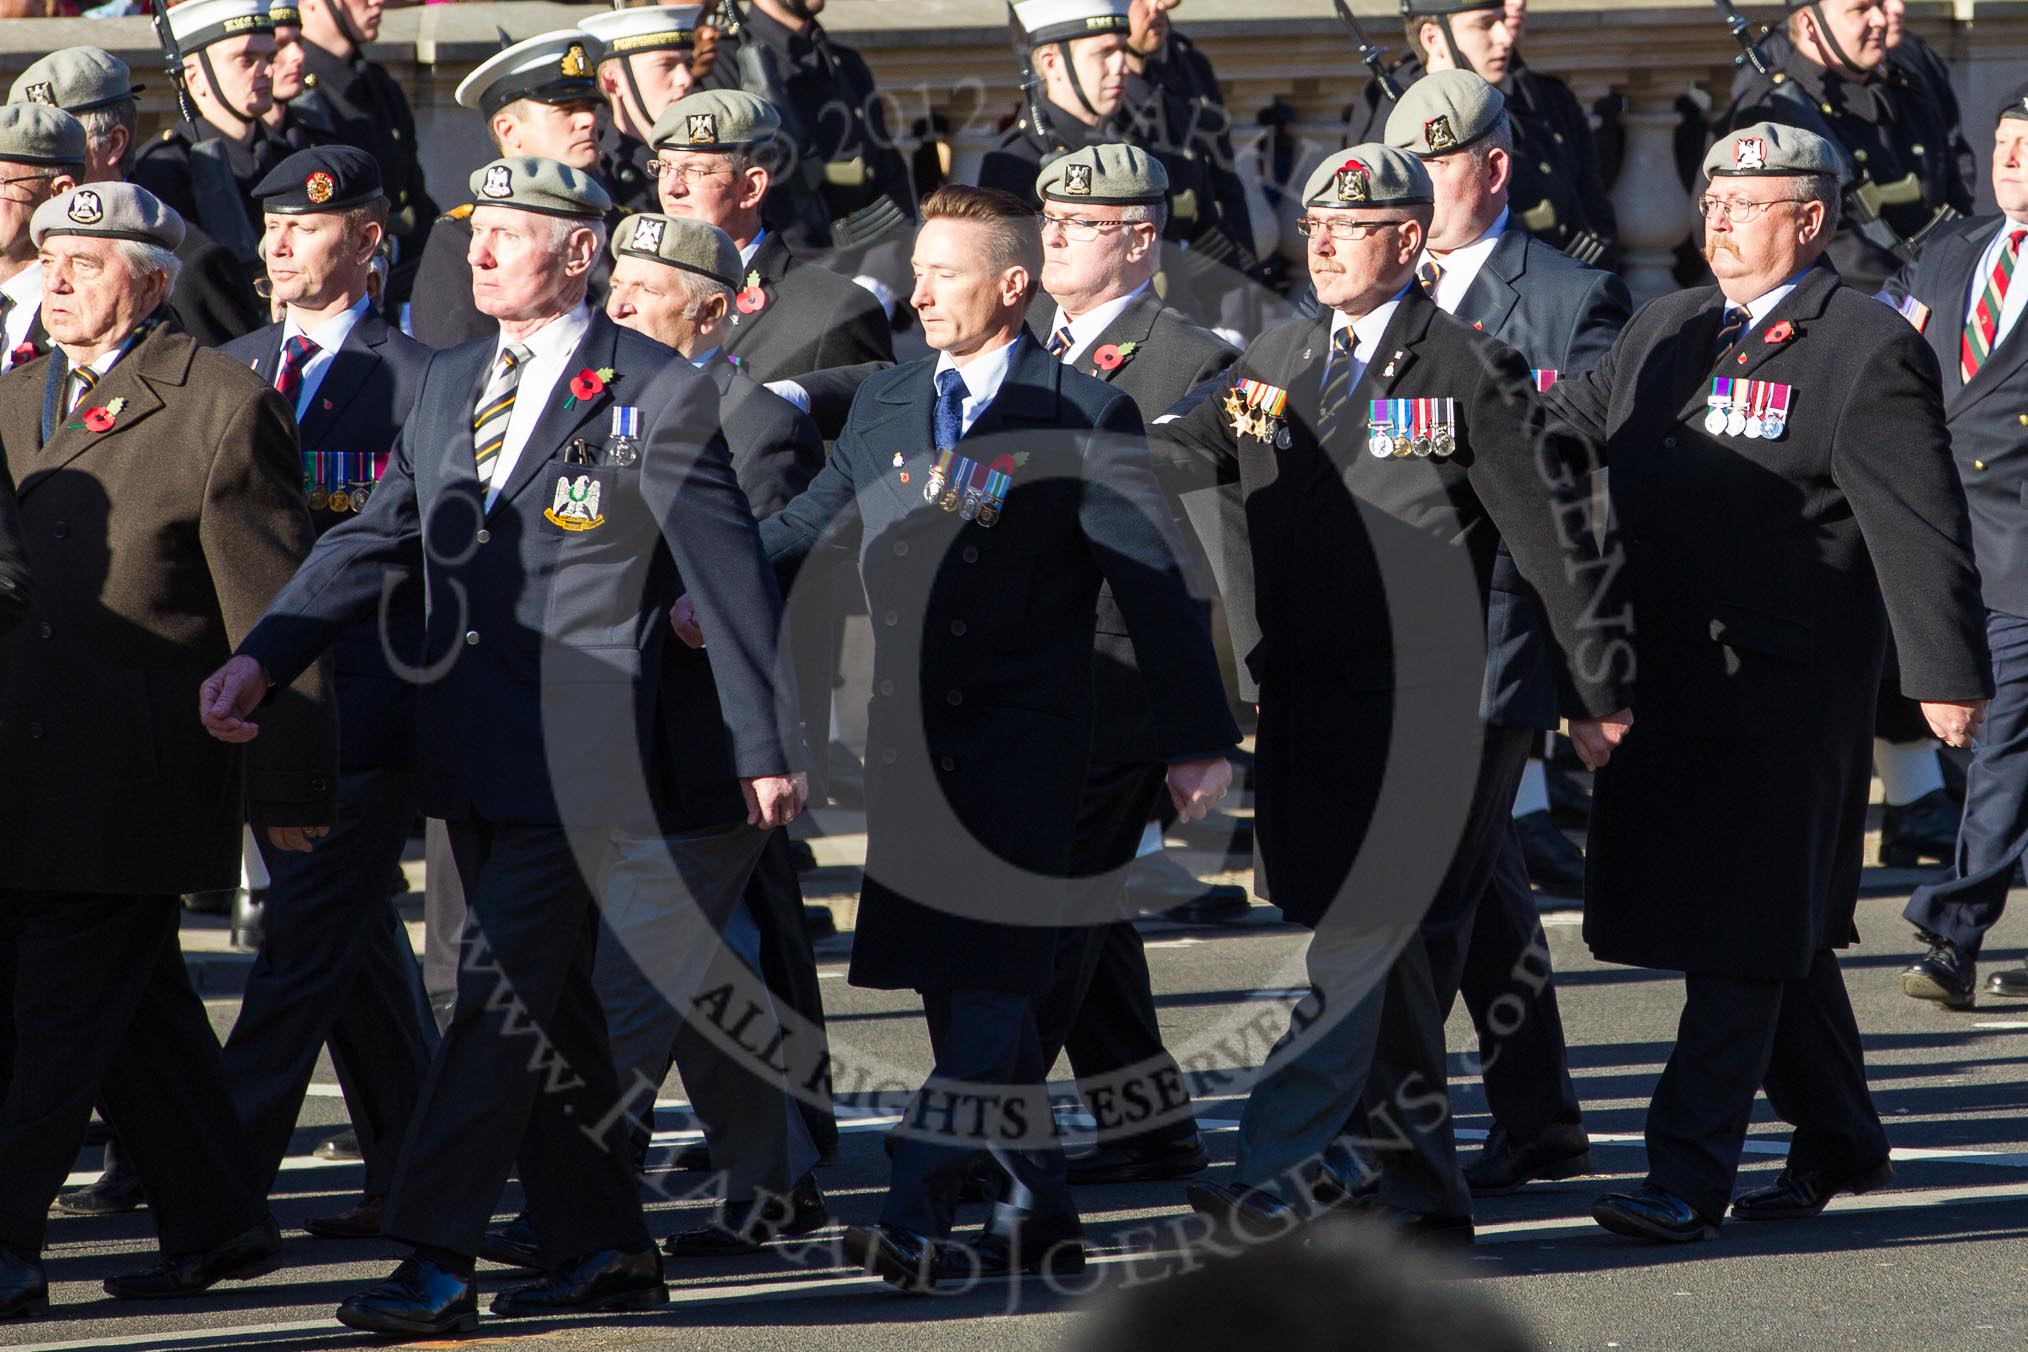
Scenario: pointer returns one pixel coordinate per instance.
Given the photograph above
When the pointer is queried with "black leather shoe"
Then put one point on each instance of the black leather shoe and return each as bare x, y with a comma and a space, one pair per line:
743, 1227
1178, 1158
254, 1252
1798, 1196
1419, 1228
1247, 1210
1569, 804
694, 1158
1503, 1167
248, 925
1946, 974
1650, 1213
418, 1298
1158, 884
358, 1222
2009, 982
113, 1194
24, 1291
1030, 1254
606, 1280
343, 1146
899, 1257
217, 901
1554, 864
1924, 829
512, 1244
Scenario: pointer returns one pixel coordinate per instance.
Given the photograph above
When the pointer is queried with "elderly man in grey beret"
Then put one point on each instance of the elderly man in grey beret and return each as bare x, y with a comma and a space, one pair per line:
42, 153
1384, 449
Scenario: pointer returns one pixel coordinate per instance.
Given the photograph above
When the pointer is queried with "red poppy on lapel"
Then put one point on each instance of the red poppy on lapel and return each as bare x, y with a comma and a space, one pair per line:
1780, 333
23, 354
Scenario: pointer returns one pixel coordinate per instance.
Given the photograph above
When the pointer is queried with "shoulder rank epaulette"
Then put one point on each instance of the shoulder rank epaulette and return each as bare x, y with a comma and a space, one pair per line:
458, 213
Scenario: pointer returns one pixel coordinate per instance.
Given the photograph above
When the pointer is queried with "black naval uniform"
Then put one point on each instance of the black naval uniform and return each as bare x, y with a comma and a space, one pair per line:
209, 180
1895, 128
1756, 570
1558, 192
365, 107
623, 168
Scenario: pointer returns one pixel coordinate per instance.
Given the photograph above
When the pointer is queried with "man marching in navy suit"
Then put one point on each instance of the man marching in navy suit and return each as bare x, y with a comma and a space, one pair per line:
988, 493
551, 484
1963, 297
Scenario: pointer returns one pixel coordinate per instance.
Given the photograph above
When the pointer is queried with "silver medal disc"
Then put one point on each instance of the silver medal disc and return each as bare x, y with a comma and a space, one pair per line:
1714, 421
1735, 423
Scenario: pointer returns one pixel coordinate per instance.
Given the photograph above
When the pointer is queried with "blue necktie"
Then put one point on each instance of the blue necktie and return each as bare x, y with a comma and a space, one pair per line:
949, 422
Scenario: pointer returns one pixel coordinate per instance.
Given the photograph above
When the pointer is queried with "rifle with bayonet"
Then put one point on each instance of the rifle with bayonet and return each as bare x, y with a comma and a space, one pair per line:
1372, 54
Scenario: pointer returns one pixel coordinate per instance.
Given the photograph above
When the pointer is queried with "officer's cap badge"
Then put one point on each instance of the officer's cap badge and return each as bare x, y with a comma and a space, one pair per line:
1077, 179
701, 129
1749, 152
499, 182
318, 187
85, 208
1355, 184
647, 236
574, 63
1437, 132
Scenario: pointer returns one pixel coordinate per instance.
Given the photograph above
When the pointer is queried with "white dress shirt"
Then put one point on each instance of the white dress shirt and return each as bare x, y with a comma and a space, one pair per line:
329, 336
24, 300
983, 376
1759, 307
1458, 269
1085, 329
752, 247
1366, 331
549, 349
2010, 305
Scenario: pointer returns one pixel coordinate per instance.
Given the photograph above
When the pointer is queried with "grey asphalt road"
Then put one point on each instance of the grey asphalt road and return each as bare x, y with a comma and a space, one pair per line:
1941, 1259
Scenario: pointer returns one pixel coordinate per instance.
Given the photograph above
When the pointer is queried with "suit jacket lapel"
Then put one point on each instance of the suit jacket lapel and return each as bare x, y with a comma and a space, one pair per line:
351, 366
1131, 325
1797, 309
1393, 357
1492, 295
1027, 394
2006, 355
557, 424
902, 421
163, 356
1947, 321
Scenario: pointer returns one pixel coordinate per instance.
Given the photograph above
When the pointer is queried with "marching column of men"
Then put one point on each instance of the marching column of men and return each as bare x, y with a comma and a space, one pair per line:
576, 522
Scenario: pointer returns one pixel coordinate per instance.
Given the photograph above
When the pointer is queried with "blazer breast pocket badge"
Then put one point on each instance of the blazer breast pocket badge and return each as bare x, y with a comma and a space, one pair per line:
576, 504
1754, 409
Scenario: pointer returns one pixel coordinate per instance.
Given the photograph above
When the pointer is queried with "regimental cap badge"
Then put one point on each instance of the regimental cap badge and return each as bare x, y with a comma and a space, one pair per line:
701, 129
85, 208
1437, 134
40, 92
499, 182
1749, 152
1355, 184
1077, 179
319, 186
647, 236
573, 63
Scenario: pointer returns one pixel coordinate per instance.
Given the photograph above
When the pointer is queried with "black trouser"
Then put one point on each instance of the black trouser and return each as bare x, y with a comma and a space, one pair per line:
1994, 833
101, 998
984, 1038
1796, 1039
774, 897
524, 1071
1509, 987
1100, 1009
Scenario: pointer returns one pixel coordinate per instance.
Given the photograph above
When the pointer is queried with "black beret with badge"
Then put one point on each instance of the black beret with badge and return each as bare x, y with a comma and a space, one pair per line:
35, 133
76, 79
1370, 175
530, 183
715, 121
554, 68
1108, 175
1445, 112
324, 178
679, 242
110, 210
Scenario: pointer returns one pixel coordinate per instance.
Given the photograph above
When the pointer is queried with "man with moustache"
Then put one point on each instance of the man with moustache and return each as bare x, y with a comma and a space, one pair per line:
650, 61
1780, 466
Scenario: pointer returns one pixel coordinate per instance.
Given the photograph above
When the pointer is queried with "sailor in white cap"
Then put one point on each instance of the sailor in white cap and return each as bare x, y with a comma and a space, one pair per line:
649, 62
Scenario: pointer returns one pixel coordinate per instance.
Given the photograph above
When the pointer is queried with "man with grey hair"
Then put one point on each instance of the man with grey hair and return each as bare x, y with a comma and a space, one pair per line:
158, 484
212, 297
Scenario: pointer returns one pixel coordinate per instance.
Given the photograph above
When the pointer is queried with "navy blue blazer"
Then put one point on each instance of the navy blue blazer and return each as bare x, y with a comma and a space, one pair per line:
359, 407
541, 673
980, 727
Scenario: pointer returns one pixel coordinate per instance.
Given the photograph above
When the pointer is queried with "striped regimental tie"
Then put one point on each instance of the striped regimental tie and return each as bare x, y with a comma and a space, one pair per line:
1059, 342
496, 406
1337, 384
1977, 344
82, 380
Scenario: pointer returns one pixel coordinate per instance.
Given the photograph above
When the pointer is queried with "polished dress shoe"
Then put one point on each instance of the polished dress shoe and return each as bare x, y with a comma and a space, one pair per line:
1029, 1252
253, 1252
1946, 974
1176, 1158
1651, 1213
694, 1158
512, 1244
607, 1280
744, 1226
114, 1193
1159, 885
901, 1258
359, 1222
343, 1146
1503, 1167
1246, 1209
24, 1291
248, 924
1423, 1229
2009, 982
1555, 865
1924, 829
1796, 1196
418, 1298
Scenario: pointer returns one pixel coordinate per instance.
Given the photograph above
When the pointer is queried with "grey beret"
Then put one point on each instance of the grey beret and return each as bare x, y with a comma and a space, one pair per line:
111, 210
1369, 175
716, 120
1108, 175
35, 133
76, 79
1444, 112
1770, 150
529, 183
681, 243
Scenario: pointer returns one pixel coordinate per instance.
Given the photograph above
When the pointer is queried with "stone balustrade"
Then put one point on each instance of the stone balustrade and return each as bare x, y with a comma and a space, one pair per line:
952, 59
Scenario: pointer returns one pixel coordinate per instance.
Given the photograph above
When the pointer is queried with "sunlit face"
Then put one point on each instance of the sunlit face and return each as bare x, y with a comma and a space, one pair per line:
961, 298
567, 132
1483, 39
519, 268
1148, 25
703, 187
1751, 257
661, 77
91, 298
1079, 273
2010, 167
289, 60
1858, 27
652, 298
23, 188
1355, 275
245, 70
1465, 193
1101, 65
314, 258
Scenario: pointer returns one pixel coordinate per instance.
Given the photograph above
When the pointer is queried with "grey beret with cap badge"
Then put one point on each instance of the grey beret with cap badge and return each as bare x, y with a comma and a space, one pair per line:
716, 120
1771, 150
76, 79
1444, 112
109, 210
679, 242
35, 133
530, 183
1370, 175
1104, 175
